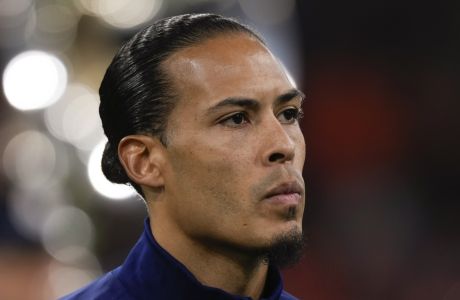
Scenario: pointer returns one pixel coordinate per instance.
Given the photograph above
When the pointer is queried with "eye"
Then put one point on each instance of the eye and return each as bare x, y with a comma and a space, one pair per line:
290, 115
235, 120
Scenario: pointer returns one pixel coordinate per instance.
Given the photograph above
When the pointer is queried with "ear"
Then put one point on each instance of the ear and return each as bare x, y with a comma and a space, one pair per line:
142, 158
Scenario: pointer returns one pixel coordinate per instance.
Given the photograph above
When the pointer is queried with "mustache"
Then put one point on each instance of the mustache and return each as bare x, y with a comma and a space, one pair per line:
278, 176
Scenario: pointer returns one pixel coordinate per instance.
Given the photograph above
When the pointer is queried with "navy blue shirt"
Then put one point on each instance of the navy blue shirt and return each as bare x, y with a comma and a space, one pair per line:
149, 272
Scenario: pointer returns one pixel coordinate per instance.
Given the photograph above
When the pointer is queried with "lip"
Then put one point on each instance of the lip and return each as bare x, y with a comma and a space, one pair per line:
288, 193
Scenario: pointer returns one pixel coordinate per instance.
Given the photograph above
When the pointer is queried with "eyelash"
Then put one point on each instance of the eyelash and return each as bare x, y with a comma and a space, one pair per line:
297, 114
227, 119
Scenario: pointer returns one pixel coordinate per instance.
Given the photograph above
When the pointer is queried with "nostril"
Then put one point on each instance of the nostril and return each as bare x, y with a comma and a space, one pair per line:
275, 157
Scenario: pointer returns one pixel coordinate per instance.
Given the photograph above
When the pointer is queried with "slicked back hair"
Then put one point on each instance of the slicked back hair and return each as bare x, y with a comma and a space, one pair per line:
136, 94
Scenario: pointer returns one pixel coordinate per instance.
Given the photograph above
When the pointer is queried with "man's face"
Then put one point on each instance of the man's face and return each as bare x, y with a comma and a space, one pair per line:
235, 151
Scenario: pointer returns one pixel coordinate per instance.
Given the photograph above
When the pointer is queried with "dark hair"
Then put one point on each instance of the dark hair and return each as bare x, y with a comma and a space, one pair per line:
136, 95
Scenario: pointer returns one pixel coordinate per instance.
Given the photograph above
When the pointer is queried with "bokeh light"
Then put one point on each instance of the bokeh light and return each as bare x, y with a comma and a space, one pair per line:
66, 227
64, 118
83, 135
123, 14
29, 209
100, 182
56, 26
29, 159
34, 80
64, 279
77, 256
56, 18
17, 22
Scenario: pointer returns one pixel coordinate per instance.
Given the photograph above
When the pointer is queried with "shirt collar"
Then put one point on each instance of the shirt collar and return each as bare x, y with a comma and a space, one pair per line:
150, 270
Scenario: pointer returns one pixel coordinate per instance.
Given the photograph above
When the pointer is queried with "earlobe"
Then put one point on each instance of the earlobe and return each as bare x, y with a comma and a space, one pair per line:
142, 159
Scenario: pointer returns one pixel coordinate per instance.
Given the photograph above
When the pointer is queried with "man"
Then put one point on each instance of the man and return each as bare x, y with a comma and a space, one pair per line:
202, 120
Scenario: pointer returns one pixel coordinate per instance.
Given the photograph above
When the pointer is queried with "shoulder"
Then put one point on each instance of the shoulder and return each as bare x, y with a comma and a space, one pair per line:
286, 296
105, 287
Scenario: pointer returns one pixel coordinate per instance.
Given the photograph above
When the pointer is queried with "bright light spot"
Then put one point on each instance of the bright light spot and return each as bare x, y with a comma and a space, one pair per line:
66, 227
64, 118
128, 13
34, 80
100, 182
268, 11
123, 14
53, 114
29, 159
83, 135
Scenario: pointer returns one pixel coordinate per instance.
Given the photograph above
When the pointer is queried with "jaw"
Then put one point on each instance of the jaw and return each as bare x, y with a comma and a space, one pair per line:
262, 234
275, 221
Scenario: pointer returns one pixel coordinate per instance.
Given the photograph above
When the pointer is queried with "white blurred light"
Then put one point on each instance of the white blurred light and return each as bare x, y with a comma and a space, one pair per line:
83, 135
77, 256
66, 226
64, 119
268, 11
53, 114
34, 80
122, 14
100, 182
29, 159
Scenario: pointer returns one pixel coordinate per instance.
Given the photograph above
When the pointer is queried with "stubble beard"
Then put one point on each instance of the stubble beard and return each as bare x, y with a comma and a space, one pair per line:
285, 249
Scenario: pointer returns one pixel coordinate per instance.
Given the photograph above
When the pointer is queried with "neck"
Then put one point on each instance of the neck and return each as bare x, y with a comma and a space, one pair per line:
233, 272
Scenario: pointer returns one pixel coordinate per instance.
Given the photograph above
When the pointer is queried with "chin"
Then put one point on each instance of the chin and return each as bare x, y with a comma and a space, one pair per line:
286, 247
282, 242
287, 226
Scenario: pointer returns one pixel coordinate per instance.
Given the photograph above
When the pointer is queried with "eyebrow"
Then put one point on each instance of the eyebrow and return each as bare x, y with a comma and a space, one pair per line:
254, 104
289, 95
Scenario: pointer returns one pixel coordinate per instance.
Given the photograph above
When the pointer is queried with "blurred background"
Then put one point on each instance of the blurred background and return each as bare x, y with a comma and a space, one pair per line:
381, 126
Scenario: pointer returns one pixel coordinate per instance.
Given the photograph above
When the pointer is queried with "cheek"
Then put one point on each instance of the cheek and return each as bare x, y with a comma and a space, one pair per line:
213, 177
216, 152
211, 191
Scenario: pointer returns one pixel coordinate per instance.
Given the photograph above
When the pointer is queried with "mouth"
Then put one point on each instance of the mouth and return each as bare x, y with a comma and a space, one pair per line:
285, 194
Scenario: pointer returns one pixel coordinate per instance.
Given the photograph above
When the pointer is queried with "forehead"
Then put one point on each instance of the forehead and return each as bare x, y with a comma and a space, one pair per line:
225, 66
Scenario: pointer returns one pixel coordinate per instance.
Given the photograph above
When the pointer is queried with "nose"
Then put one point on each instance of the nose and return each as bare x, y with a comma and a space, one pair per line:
279, 147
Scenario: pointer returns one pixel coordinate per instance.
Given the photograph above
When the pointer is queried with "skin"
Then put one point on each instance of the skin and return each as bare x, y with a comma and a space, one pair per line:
206, 188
